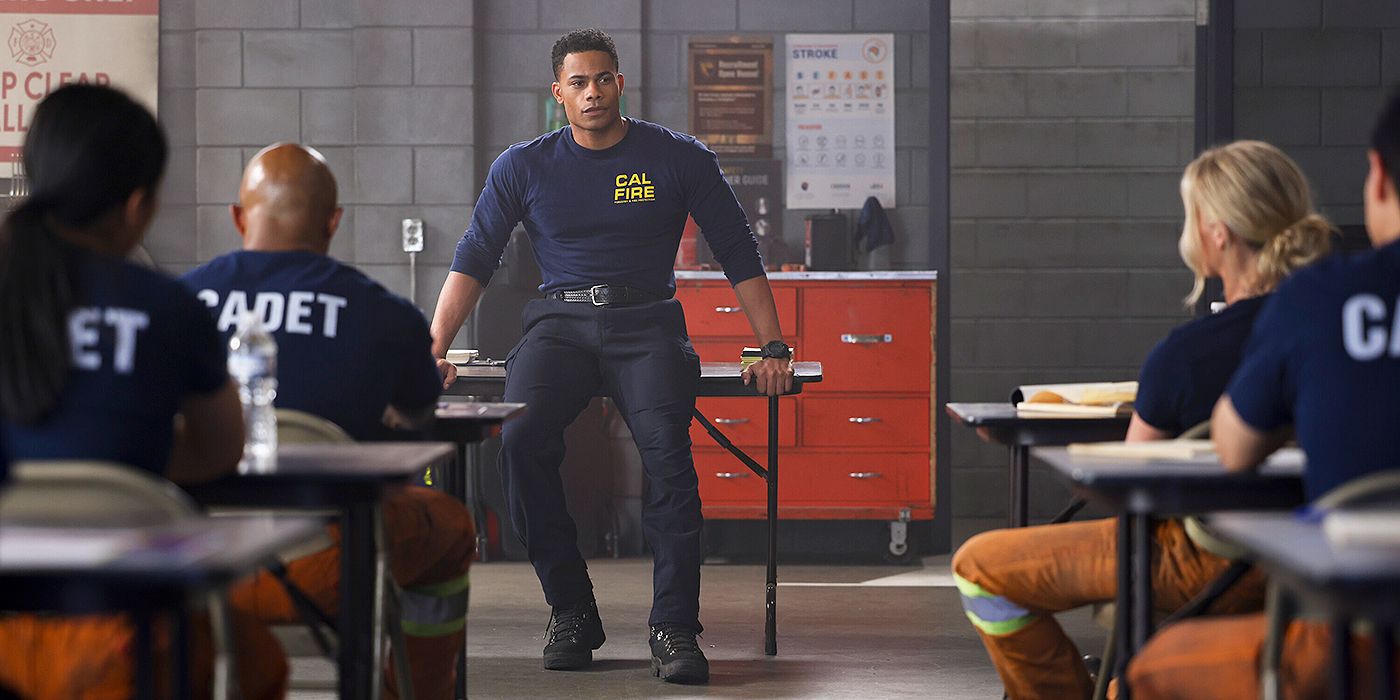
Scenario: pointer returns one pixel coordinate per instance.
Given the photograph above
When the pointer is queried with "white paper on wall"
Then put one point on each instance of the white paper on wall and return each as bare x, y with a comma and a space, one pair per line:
840, 120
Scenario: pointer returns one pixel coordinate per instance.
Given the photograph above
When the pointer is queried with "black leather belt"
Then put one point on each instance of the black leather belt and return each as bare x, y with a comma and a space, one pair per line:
607, 295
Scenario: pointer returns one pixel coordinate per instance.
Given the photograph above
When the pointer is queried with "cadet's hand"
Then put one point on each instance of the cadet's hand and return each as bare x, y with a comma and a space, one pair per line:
771, 377
448, 372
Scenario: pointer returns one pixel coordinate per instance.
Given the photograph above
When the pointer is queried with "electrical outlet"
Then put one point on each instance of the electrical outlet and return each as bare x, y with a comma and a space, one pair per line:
412, 235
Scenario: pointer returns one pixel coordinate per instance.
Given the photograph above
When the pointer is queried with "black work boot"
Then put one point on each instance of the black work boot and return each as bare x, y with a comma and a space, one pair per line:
571, 637
675, 657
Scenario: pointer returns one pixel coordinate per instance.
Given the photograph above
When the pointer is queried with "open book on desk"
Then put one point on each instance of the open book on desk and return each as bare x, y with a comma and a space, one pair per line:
1083, 400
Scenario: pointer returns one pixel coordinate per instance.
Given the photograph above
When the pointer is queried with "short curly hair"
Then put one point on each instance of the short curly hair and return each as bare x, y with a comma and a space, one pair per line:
581, 40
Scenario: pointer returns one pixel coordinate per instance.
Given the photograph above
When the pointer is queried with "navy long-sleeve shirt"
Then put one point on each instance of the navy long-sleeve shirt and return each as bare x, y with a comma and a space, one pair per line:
611, 216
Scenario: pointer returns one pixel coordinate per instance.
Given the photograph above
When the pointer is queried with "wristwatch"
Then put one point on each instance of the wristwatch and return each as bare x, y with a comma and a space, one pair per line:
776, 349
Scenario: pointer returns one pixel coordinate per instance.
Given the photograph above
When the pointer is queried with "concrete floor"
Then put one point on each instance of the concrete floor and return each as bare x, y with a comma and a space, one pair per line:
843, 631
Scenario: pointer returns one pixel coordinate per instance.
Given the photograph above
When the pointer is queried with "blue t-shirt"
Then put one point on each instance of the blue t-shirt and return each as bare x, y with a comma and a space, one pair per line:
140, 344
1186, 373
1325, 356
612, 216
346, 346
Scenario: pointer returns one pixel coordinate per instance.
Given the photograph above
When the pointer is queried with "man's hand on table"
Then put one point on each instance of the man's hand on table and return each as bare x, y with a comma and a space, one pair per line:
771, 376
448, 372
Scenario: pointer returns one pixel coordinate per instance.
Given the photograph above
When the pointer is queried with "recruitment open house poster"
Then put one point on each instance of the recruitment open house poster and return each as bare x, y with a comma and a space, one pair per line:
50, 43
840, 120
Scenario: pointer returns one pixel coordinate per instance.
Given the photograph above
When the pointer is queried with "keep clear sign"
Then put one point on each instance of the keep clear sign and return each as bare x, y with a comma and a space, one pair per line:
51, 43
840, 120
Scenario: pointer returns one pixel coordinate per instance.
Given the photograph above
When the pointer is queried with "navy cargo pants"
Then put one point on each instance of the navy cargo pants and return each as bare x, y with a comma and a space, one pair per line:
641, 357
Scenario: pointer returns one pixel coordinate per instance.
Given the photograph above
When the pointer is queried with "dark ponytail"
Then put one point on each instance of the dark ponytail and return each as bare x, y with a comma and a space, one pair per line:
88, 149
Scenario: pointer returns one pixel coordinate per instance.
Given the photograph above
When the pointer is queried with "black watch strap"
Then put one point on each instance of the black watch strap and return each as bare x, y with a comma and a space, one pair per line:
776, 349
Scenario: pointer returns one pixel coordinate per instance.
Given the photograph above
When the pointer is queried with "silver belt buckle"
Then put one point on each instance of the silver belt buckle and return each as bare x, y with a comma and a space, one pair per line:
593, 294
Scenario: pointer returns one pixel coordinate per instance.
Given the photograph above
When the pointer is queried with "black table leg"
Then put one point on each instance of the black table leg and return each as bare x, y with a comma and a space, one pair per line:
770, 628
1142, 581
1383, 660
357, 602
476, 499
1341, 659
180, 654
1017, 511
1124, 604
145, 652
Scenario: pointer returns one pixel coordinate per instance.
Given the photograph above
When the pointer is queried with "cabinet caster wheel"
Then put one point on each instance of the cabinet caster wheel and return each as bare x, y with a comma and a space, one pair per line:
898, 550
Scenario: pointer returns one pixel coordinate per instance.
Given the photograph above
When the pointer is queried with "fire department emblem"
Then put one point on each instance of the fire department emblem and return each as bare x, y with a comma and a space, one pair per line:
31, 42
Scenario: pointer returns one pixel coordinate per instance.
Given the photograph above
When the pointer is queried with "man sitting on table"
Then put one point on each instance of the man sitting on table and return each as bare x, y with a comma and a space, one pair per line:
355, 354
1323, 362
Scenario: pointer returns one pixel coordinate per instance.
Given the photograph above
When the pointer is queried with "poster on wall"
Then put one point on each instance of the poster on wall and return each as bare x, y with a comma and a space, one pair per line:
731, 83
840, 120
51, 43
757, 185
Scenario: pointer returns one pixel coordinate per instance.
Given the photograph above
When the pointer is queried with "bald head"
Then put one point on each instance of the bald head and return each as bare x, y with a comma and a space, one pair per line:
287, 200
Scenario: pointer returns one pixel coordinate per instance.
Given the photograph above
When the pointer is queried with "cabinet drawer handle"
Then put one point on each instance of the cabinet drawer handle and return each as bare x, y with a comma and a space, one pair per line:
732, 475
863, 419
728, 309
865, 475
853, 339
731, 421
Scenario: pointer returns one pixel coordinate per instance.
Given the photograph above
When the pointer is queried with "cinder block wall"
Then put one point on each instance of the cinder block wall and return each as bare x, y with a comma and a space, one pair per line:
383, 89
1071, 120
1310, 76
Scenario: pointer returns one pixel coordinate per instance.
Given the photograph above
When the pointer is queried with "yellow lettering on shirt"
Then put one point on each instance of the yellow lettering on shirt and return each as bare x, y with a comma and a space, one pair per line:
633, 187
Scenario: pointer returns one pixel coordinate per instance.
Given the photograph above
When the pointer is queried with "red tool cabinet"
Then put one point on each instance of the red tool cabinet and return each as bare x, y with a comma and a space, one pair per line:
860, 444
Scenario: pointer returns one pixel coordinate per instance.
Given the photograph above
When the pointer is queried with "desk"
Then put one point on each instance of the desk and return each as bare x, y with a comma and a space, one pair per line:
466, 423
143, 571
999, 423
1345, 582
716, 379
1140, 489
351, 479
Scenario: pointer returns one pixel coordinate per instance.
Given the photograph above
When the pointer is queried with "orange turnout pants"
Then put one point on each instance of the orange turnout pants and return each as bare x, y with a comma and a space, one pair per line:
1220, 658
1013, 581
430, 541
90, 657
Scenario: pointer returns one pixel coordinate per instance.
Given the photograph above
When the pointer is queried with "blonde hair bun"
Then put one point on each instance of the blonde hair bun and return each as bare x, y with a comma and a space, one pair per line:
1262, 196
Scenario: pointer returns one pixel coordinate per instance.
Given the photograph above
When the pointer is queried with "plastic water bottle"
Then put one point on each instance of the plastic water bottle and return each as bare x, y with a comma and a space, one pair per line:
252, 362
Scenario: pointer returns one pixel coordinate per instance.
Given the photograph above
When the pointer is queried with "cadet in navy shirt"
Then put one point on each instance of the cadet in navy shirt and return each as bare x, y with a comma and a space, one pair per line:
98, 357
1325, 353
136, 347
140, 346
353, 353
1186, 372
1249, 222
604, 201
1323, 360
370, 348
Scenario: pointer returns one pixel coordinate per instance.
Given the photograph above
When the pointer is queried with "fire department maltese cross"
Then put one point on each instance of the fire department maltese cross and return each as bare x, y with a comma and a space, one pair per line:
31, 42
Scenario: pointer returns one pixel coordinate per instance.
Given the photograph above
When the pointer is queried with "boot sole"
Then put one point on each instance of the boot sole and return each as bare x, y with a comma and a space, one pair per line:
684, 671
568, 662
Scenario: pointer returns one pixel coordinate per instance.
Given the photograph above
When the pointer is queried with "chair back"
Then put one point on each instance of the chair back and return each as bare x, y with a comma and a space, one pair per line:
78, 493
1199, 431
300, 427
1376, 488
